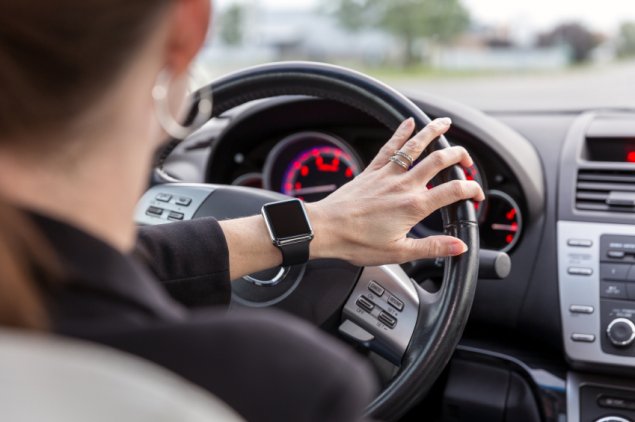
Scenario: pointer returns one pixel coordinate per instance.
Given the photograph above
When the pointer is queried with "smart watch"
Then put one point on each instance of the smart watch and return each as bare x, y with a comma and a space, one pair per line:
290, 230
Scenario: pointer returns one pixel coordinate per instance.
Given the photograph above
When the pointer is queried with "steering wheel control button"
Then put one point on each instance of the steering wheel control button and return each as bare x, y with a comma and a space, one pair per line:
176, 216
163, 197
376, 288
581, 309
611, 290
154, 211
365, 303
580, 243
614, 271
183, 201
583, 338
580, 271
621, 332
387, 319
395, 303
355, 332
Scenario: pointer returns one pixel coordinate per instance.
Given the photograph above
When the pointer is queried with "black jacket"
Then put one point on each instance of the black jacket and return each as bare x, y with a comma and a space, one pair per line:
266, 365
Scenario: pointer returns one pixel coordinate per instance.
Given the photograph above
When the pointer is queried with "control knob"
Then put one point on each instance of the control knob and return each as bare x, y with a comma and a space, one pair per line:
621, 332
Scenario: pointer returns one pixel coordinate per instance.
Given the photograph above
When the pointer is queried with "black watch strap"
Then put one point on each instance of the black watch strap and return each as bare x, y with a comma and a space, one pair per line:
294, 253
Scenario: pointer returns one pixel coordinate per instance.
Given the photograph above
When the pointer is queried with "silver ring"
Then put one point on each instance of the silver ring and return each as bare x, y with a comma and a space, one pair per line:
395, 159
407, 156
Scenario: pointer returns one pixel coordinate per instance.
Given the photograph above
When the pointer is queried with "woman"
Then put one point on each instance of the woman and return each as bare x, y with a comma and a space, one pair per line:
78, 131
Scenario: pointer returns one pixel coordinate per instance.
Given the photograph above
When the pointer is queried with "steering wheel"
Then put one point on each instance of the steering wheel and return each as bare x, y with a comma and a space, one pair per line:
380, 308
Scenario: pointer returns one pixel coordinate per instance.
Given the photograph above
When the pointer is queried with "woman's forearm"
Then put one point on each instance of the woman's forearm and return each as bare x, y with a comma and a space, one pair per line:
251, 249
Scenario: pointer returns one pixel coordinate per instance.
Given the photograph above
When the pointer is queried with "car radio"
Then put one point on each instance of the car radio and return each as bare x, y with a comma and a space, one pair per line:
596, 265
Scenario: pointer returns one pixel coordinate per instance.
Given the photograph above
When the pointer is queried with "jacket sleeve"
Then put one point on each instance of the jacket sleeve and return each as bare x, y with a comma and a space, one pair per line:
190, 259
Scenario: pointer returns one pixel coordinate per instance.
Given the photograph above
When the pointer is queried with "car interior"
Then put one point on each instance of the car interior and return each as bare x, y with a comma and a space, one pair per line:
536, 322
550, 328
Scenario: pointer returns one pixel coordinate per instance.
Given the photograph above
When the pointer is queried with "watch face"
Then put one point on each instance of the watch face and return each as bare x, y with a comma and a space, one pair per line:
287, 219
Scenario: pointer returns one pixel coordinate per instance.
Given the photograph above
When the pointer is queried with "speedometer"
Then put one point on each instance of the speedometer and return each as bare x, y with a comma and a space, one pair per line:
310, 165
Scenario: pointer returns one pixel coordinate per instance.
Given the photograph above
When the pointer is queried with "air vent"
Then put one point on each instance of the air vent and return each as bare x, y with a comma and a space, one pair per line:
606, 190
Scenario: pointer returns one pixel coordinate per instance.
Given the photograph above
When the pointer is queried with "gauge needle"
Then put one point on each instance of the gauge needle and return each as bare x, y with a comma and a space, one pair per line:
314, 189
505, 227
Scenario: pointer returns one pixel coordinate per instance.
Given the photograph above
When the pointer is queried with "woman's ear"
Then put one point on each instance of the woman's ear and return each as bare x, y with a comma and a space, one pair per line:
189, 26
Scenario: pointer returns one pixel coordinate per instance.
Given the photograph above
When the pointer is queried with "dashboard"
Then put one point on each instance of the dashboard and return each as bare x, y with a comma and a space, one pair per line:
560, 201
313, 161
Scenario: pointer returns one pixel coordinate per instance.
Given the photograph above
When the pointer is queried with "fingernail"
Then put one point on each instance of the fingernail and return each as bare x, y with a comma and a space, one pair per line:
457, 249
445, 121
406, 123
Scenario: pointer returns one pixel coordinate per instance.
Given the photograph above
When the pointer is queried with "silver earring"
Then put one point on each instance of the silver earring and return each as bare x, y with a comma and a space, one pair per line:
160, 94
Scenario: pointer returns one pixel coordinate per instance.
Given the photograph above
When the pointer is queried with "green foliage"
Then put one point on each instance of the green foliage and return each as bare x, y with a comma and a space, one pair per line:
232, 22
626, 40
409, 20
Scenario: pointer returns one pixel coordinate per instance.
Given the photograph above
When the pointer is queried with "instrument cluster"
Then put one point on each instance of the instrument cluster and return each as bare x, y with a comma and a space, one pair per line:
309, 165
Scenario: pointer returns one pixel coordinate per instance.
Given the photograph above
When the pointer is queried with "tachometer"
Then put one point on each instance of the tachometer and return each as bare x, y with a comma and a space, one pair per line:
501, 225
310, 165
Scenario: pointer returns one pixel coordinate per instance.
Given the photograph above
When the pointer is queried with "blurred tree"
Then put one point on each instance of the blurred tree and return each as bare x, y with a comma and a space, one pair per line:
232, 22
626, 40
409, 20
576, 36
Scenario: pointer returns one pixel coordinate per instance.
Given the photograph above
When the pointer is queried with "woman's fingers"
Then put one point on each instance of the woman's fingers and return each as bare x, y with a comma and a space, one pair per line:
415, 146
401, 135
412, 147
431, 247
430, 166
446, 194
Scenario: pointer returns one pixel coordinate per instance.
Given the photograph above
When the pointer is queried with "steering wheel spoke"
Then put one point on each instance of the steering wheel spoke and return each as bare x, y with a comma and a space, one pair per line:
382, 311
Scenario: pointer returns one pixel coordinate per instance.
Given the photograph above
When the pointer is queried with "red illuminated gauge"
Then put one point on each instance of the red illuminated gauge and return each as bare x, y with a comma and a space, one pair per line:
501, 225
310, 166
473, 173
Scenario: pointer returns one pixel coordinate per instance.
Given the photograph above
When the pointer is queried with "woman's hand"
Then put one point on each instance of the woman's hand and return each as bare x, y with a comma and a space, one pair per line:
366, 221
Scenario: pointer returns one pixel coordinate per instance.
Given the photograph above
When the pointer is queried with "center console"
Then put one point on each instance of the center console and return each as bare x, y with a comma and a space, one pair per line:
597, 292
596, 265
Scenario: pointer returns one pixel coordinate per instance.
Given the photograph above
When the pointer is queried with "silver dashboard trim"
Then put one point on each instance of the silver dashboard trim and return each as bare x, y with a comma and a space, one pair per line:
584, 290
576, 381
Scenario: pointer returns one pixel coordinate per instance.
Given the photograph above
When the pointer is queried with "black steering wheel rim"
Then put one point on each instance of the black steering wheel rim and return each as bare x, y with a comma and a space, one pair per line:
442, 316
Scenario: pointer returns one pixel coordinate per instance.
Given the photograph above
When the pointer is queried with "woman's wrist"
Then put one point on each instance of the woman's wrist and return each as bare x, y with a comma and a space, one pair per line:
324, 243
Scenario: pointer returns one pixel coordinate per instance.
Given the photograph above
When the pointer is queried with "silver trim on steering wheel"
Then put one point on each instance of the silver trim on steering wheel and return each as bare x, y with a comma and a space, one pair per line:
382, 311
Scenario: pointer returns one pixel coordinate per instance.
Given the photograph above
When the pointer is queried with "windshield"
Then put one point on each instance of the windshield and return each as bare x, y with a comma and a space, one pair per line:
491, 54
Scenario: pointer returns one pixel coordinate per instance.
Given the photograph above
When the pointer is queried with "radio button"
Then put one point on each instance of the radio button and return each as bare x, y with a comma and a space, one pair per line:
580, 243
615, 254
580, 271
581, 309
611, 290
584, 338
616, 272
